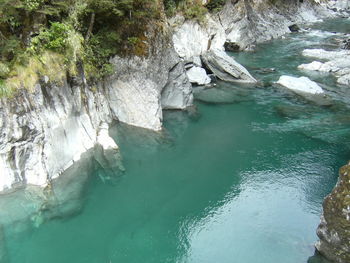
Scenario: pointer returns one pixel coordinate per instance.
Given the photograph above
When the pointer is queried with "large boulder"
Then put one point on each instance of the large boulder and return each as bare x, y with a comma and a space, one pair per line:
300, 85
226, 68
334, 229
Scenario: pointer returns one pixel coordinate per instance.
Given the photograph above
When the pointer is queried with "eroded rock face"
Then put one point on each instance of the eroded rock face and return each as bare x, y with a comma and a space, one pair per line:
249, 22
43, 132
194, 39
334, 229
135, 89
244, 23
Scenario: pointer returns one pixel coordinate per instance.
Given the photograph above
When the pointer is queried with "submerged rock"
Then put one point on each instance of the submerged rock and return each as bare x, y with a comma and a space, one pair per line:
300, 85
3, 249
294, 28
334, 229
198, 76
222, 94
226, 68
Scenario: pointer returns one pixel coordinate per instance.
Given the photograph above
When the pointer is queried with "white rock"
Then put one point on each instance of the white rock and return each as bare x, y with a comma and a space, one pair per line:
315, 65
344, 80
104, 139
198, 76
302, 84
319, 66
192, 39
325, 55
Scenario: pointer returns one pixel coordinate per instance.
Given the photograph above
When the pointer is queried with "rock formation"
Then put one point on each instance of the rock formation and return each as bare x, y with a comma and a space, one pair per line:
334, 229
46, 130
337, 62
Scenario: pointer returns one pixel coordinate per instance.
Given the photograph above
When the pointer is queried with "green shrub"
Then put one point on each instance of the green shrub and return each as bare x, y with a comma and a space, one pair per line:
32, 5
195, 10
215, 5
53, 38
4, 90
4, 70
98, 51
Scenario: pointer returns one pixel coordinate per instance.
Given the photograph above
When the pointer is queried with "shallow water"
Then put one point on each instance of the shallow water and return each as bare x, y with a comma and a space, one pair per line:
240, 180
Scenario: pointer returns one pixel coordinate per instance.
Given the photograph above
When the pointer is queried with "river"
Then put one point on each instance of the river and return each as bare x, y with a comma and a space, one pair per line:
239, 179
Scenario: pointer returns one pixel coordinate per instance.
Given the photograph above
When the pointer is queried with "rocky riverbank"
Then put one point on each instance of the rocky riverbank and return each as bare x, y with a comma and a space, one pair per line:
45, 130
55, 125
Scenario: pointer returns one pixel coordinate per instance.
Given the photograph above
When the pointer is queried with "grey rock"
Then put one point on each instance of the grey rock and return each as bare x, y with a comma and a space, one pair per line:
177, 93
346, 44
294, 28
226, 68
334, 229
231, 46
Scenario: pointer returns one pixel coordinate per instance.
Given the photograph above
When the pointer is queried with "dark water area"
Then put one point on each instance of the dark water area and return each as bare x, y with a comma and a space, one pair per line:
241, 179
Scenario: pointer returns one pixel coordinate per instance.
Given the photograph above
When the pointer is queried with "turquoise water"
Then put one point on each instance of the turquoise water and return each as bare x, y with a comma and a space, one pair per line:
241, 179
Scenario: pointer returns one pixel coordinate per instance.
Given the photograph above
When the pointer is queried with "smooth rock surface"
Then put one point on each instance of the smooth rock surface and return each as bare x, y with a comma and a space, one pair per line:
198, 76
226, 68
302, 84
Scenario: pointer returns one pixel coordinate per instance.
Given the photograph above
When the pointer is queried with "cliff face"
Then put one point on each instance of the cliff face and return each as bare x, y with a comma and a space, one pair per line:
46, 130
244, 23
334, 229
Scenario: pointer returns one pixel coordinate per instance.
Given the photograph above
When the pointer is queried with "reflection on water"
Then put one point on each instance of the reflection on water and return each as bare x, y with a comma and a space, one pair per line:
239, 179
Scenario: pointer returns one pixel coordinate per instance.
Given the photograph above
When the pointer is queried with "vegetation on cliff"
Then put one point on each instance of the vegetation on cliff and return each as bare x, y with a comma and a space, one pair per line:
80, 36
